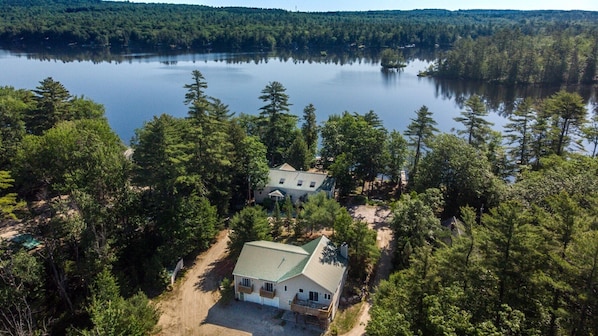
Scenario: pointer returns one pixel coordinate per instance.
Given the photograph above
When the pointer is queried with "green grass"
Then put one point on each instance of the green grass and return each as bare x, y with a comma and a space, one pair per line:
346, 319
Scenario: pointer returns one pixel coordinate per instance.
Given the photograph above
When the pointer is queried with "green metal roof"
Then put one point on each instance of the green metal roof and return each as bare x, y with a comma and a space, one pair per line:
318, 260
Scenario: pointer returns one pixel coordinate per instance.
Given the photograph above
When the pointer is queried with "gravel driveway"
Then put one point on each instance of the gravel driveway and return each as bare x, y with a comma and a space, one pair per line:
192, 308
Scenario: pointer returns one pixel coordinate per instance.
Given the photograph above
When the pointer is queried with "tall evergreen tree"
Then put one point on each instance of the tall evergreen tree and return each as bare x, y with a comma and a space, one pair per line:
298, 155
569, 113
419, 131
310, 129
277, 124
396, 149
195, 96
519, 131
476, 127
212, 148
52, 106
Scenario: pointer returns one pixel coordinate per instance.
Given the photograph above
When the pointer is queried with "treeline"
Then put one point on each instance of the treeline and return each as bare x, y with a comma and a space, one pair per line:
511, 56
509, 258
122, 25
527, 266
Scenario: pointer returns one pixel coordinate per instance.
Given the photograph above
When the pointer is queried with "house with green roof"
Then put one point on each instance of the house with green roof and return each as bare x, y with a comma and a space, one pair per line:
287, 181
304, 279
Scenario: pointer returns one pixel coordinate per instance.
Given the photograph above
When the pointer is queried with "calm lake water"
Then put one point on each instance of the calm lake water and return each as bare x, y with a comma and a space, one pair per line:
138, 87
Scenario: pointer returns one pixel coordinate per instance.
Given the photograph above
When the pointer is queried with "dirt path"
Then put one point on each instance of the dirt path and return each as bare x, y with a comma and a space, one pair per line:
377, 218
185, 310
186, 307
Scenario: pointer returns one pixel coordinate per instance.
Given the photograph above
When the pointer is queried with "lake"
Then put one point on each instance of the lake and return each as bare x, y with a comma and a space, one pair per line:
137, 87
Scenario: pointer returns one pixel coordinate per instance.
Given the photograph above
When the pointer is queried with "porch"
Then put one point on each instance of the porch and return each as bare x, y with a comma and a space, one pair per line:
311, 308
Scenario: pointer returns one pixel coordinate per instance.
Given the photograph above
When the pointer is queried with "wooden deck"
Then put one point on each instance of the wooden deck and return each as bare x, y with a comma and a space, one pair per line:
245, 289
267, 294
311, 308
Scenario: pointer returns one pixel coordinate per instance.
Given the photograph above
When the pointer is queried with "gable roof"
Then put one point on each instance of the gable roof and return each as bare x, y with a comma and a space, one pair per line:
318, 260
284, 177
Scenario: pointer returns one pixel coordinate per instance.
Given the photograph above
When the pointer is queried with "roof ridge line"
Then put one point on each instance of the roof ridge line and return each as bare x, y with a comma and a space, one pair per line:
278, 249
311, 255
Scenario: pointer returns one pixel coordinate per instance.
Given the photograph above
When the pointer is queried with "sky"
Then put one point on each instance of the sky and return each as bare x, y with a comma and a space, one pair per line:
361, 5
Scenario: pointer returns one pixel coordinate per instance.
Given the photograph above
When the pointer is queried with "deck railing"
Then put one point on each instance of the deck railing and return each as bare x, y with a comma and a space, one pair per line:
267, 294
245, 289
311, 308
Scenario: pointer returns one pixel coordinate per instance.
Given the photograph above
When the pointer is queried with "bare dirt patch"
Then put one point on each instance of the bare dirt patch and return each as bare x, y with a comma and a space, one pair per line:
378, 218
193, 306
186, 307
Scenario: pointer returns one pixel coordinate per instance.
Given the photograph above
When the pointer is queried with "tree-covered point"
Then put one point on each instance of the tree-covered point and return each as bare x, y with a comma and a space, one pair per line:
92, 23
564, 53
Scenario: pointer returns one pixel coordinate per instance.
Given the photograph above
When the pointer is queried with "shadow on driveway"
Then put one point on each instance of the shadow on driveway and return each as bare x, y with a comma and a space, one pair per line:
257, 320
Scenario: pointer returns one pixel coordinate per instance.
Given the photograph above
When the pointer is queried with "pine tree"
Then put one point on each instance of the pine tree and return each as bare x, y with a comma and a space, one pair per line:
310, 129
419, 131
476, 127
276, 123
52, 106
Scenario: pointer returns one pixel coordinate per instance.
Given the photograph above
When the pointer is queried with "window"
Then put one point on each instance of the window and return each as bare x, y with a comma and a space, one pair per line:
268, 286
300, 290
246, 282
299, 183
285, 288
312, 184
281, 180
327, 296
313, 296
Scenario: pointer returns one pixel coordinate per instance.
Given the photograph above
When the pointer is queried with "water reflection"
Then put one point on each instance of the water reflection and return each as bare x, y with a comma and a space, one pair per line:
337, 57
502, 98
134, 87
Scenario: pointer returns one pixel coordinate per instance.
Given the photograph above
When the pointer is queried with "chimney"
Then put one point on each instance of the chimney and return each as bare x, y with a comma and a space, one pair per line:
345, 250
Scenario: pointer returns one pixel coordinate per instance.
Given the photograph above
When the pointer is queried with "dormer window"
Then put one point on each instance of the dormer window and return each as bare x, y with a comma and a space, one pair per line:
299, 183
281, 180
312, 184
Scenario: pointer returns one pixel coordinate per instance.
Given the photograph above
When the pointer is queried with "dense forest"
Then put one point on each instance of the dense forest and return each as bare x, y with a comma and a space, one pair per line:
111, 222
496, 233
491, 45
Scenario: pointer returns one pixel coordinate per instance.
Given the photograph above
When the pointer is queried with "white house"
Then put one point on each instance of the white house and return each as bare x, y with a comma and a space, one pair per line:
304, 279
287, 181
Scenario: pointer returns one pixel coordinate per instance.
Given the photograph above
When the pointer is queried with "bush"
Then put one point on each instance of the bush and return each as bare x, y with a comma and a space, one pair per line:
227, 291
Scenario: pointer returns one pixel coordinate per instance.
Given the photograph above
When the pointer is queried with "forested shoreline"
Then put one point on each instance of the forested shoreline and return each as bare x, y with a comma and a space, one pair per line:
112, 222
504, 46
496, 233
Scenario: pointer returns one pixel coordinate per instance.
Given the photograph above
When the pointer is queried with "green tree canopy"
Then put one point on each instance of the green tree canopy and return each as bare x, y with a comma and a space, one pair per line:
420, 131
249, 224
463, 175
476, 127
276, 123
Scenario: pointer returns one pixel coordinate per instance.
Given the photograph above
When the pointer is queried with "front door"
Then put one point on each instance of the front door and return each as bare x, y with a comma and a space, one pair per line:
313, 296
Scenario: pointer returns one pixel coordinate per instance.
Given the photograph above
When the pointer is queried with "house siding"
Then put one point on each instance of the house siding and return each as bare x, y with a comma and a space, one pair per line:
255, 295
283, 298
291, 187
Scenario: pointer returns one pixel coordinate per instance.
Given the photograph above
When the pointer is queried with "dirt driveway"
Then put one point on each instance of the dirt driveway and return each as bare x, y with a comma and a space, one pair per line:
378, 219
192, 308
